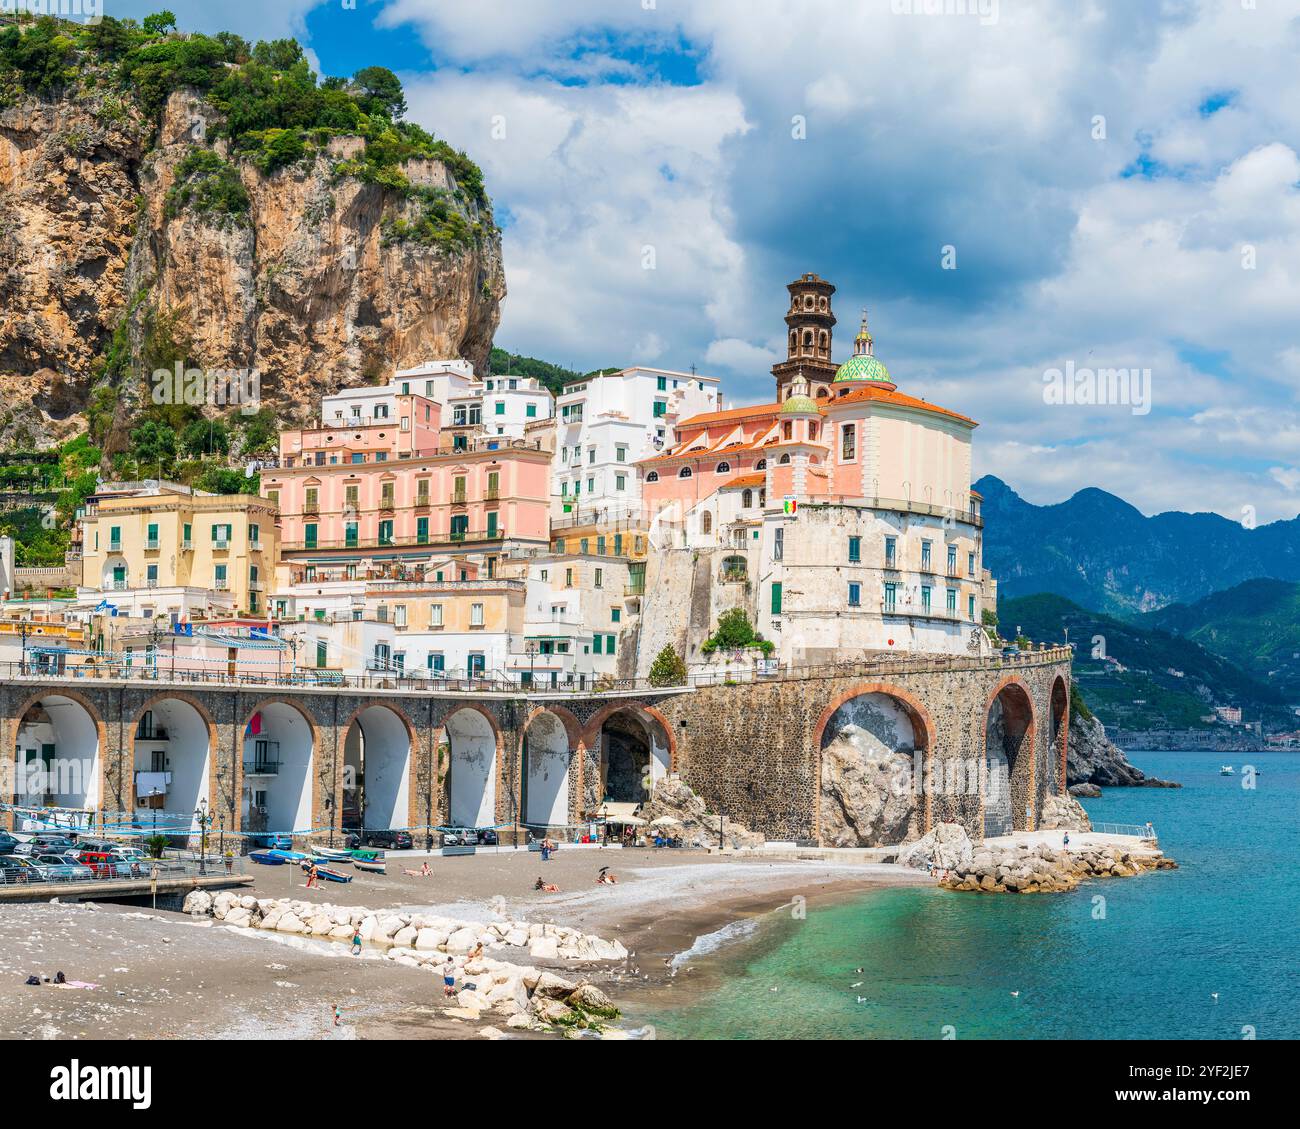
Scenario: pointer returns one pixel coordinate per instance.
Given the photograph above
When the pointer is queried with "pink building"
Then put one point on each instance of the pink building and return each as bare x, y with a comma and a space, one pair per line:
400, 491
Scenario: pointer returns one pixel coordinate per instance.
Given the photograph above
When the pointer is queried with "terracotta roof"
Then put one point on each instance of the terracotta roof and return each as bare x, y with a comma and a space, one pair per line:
899, 399
758, 479
977, 494
752, 412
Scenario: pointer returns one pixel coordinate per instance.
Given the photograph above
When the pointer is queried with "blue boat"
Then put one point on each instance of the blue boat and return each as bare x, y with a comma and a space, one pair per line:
268, 858
289, 856
328, 873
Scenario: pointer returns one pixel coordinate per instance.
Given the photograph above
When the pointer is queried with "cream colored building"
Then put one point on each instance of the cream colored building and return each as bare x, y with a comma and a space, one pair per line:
156, 546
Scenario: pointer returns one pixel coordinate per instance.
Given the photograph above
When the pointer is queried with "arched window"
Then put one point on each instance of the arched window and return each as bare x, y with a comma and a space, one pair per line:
812, 431
807, 338
822, 393
653, 476
787, 429
761, 464
785, 459
706, 523
821, 339
746, 499
724, 468
685, 472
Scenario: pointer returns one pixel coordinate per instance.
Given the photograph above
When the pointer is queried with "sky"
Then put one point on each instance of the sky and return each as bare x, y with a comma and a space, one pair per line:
1022, 193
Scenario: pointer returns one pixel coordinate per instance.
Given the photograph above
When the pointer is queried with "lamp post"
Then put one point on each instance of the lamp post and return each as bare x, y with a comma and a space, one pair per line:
204, 819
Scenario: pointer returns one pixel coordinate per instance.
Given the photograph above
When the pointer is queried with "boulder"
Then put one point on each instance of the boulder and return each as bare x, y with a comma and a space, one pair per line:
239, 917
867, 798
947, 847
592, 999
551, 986
544, 948
552, 1011
674, 798
1085, 791
405, 936
463, 940
290, 923
198, 902
1063, 813
429, 939
517, 937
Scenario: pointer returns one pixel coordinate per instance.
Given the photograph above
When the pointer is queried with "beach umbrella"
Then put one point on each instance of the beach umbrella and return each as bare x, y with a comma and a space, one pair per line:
665, 821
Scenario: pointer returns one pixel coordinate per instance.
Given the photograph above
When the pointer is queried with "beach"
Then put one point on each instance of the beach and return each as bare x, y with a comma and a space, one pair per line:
162, 974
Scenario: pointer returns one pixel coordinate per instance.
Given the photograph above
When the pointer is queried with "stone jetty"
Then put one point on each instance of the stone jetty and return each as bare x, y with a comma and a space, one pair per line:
521, 996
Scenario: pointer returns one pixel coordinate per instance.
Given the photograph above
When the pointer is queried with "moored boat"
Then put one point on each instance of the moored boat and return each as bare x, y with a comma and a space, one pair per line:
289, 856
336, 853
370, 866
1227, 770
329, 873
268, 858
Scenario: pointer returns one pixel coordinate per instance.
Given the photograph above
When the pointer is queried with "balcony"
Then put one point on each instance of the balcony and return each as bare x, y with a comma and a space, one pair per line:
257, 585
187, 546
891, 563
261, 766
221, 545
492, 494
221, 584
459, 498
431, 541
152, 545
115, 546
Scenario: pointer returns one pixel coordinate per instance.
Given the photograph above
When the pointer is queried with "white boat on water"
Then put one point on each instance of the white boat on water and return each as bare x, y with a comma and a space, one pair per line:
1227, 770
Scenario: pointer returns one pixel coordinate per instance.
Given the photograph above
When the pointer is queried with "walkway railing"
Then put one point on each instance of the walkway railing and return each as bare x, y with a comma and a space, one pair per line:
1140, 830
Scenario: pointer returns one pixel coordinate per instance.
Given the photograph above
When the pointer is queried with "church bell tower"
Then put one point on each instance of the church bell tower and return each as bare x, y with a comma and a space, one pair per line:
809, 325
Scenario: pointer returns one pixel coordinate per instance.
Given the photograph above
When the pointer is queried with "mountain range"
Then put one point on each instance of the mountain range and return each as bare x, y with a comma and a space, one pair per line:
1103, 553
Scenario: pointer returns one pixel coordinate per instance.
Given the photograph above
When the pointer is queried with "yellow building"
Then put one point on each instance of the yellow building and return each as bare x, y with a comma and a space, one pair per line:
164, 548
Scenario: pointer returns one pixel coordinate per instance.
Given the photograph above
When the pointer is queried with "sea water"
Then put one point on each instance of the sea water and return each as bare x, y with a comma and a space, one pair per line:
1211, 950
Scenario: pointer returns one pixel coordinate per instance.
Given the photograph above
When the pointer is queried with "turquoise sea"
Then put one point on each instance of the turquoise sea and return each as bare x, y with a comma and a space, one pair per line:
1142, 965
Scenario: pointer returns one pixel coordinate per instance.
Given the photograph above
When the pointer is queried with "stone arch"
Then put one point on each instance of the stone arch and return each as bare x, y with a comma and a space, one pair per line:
1008, 796
874, 746
188, 752
279, 787
547, 743
642, 738
377, 786
1059, 736
472, 783
59, 757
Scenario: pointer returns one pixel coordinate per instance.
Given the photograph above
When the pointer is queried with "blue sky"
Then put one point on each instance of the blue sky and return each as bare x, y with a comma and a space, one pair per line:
1116, 182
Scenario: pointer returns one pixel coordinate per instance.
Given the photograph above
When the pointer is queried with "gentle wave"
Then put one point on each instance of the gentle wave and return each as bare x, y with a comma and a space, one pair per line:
707, 943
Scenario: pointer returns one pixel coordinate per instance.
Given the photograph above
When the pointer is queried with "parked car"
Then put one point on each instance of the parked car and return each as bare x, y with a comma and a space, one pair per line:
7, 843
487, 837
391, 840
101, 864
1010, 651
57, 868
14, 870
270, 841
51, 843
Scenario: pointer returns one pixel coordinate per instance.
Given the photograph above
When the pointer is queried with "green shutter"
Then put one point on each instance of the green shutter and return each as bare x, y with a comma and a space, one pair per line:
776, 598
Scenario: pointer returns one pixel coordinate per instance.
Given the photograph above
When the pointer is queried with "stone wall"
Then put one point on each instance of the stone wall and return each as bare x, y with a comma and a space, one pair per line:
751, 751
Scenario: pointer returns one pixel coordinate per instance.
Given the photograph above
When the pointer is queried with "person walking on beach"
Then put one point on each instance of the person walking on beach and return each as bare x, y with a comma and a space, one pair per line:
449, 978
1067, 839
546, 850
312, 875
356, 940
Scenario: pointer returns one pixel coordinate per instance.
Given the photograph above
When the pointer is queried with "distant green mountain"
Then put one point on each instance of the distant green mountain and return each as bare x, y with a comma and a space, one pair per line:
1103, 553
1140, 676
1256, 624
554, 377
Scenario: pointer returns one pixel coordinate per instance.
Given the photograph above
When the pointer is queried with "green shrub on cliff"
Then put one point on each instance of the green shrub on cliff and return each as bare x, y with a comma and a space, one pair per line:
735, 632
207, 186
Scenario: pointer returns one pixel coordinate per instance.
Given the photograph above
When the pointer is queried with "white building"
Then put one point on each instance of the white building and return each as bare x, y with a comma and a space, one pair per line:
511, 403
606, 423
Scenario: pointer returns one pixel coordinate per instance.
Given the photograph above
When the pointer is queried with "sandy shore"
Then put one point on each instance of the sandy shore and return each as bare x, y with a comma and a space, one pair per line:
162, 975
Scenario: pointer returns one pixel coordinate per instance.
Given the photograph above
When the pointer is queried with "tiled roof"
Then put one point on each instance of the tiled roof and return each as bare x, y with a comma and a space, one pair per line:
887, 396
754, 411
758, 479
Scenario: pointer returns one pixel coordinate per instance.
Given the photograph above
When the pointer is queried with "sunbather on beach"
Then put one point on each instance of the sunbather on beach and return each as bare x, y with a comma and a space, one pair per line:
546, 887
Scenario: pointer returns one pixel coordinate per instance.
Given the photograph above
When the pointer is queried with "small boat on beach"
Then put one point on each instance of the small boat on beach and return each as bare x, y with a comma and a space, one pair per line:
335, 853
1227, 770
369, 854
370, 866
268, 858
330, 860
289, 856
329, 873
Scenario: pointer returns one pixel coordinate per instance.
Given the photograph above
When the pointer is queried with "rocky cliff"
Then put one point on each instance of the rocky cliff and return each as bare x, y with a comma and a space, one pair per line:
1092, 758
316, 282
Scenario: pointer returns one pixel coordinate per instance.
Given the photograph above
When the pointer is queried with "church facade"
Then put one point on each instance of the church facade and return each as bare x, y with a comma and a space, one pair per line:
840, 515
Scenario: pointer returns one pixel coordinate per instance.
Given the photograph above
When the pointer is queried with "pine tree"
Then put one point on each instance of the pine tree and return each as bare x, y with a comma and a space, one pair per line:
668, 669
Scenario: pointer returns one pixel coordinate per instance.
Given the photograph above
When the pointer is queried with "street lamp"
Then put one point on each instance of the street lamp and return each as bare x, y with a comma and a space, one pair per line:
204, 819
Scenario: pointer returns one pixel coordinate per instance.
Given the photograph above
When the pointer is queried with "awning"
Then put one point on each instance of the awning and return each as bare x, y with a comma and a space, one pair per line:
620, 813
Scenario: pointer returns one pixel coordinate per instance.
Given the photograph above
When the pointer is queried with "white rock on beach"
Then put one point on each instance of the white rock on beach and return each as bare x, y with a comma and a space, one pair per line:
544, 948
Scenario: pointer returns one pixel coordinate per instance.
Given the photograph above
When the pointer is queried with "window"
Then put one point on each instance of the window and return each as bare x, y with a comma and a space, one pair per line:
422, 492
309, 535
421, 530
600, 578
458, 490
559, 544
568, 578
855, 550
855, 595
531, 411
891, 551
778, 543
723, 468
381, 411
350, 534
925, 555
653, 476
584, 546
311, 500
221, 536
386, 532
615, 615
436, 661
661, 383
609, 644
784, 459
661, 409
219, 581
706, 523
848, 443
492, 519
685, 472
406, 423
435, 614
151, 575
600, 545
620, 454
595, 644
970, 607
493, 485
476, 615
151, 537
952, 560
591, 486
925, 598
620, 482
273, 496
761, 464
970, 564
776, 598
891, 597
618, 544
322, 653
399, 615
591, 455
500, 407
386, 496
952, 601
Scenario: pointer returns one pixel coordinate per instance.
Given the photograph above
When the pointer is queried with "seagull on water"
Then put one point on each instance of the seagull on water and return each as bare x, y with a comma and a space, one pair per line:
1214, 996
1016, 992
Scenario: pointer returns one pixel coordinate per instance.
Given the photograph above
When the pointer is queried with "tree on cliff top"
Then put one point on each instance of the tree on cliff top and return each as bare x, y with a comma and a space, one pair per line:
668, 669
735, 632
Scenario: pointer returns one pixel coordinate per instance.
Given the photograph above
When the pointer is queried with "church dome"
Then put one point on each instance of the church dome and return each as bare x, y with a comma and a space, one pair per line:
796, 404
864, 365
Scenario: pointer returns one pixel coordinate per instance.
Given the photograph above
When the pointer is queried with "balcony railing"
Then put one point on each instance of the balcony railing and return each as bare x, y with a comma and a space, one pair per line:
221, 544
115, 546
151, 545
261, 766
221, 584
431, 541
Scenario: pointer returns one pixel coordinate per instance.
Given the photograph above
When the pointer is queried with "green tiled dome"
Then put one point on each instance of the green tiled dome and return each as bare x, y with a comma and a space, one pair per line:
795, 404
863, 366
